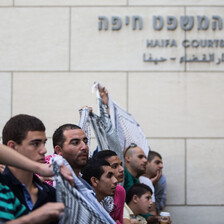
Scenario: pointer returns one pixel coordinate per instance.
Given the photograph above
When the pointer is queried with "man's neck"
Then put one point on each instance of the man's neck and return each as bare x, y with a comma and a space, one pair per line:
131, 171
76, 171
99, 196
25, 177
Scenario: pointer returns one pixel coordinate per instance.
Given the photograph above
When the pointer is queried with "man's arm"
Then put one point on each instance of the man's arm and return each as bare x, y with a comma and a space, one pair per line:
46, 213
11, 157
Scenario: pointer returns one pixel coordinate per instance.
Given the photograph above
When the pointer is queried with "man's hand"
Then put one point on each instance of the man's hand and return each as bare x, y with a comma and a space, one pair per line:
157, 177
134, 221
46, 170
67, 174
45, 214
103, 94
2, 167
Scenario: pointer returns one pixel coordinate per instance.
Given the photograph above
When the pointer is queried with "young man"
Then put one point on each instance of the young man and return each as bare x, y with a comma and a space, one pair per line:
154, 173
138, 201
119, 196
135, 165
100, 176
26, 135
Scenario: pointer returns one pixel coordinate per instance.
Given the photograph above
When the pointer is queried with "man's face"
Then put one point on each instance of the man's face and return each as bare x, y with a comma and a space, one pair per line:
75, 149
33, 146
144, 203
155, 165
106, 186
117, 167
138, 161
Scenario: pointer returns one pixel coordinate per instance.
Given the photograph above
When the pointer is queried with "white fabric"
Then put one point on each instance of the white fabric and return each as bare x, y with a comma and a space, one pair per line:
148, 182
126, 127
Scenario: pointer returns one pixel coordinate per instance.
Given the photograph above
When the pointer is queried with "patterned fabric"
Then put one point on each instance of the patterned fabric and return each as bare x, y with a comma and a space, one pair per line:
126, 127
108, 203
81, 206
10, 206
84, 124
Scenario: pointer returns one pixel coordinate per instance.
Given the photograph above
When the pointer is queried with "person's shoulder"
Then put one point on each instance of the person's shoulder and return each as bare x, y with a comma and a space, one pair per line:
9, 178
120, 194
119, 188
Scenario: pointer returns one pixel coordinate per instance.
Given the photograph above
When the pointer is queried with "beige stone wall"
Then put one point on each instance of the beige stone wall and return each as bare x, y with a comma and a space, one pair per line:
52, 52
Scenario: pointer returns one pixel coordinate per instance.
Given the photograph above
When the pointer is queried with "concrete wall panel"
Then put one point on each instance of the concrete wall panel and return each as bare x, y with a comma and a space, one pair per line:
5, 98
123, 50
177, 104
196, 214
205, 166
56, 97
34, 39
173, 154
175, 3
70, 2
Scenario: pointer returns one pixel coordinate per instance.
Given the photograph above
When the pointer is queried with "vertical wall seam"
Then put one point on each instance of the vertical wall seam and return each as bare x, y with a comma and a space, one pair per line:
127, 92
69, 38
185, 36
12, 75
185, 173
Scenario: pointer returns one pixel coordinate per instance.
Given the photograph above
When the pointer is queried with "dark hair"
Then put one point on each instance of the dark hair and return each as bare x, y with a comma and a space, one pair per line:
93, 168
17, 127
105, 154
152, 155
58, 136
137, 189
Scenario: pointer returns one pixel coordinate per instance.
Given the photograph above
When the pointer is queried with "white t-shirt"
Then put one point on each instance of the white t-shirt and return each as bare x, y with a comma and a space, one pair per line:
148, 182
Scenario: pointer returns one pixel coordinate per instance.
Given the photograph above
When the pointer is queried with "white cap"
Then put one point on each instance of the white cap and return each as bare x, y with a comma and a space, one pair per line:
165, 214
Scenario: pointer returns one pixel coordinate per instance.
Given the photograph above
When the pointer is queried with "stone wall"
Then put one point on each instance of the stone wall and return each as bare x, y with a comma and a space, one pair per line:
53, 50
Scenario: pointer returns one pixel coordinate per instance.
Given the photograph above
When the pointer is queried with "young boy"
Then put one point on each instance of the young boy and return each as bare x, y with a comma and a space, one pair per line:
138, 201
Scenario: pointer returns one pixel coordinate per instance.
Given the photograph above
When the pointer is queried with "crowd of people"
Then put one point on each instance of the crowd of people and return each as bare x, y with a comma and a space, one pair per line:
118, 183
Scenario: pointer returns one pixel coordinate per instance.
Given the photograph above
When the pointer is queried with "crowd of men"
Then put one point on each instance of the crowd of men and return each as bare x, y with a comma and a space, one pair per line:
133, 192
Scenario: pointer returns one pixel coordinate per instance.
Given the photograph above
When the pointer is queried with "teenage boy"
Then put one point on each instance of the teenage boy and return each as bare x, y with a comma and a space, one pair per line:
138, 201
26, 135
119, 196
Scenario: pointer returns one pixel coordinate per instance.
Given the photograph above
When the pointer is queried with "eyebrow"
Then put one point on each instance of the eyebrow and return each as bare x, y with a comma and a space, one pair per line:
159, 161
77, 139
38, 140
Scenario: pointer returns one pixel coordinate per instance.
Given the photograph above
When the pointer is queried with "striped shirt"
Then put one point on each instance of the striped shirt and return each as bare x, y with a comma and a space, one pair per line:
10, 206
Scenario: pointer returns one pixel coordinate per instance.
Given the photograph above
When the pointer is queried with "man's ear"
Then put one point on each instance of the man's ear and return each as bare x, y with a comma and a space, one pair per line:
135, 198
127, 158
58, 150
94, 181
12, 144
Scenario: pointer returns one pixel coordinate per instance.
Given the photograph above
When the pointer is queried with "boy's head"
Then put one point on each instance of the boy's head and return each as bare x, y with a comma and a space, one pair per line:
140, 197
26, 135
100, 175
17, 128
115, 163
